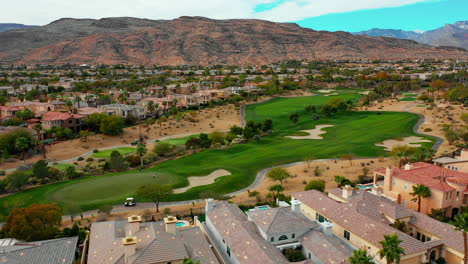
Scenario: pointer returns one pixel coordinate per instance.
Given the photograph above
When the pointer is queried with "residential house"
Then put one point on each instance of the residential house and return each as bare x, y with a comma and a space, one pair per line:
133, 241
54, 251
87, 111
9, 90
457, 163
65, 120
260, 235
124, 110
363, 219
449, 188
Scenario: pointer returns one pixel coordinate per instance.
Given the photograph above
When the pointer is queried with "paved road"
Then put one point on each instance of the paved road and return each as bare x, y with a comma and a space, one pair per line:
421, 121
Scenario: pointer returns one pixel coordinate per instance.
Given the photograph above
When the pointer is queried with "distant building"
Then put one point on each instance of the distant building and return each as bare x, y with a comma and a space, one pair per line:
65, 120
449, 188
457, 163
54, 251
124, 110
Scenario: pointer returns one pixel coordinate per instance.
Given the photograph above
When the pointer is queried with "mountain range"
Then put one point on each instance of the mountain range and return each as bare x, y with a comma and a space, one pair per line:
198, 41
455, 35
10, 26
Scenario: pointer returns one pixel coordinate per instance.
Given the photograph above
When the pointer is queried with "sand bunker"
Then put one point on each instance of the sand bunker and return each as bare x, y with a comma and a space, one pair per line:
407, 141
195, 181
313, 133
325, 91
331, 94
365, 93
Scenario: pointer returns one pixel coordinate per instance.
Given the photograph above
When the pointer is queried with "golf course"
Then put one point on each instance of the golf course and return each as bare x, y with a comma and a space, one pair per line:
350, 132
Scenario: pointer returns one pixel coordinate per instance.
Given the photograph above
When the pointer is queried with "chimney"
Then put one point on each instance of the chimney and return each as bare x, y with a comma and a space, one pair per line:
134, 222
170, 223
408, 166
129, 244
326, 227
209, 205
347, 191
296, 205
376, 190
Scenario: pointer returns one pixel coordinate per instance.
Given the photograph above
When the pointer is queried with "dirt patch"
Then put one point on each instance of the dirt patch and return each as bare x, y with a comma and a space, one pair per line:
313, 133
407, 141
195, 181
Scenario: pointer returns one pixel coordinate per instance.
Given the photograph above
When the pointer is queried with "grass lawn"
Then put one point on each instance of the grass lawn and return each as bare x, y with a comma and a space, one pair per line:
62, 166
179, 141
353, 132
409, 97
107, 153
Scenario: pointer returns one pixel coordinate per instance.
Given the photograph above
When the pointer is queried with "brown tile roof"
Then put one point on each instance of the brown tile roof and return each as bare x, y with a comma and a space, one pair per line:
432, 176
280, 220
154, 245
52, 116
242, 236
328, 249
355, 217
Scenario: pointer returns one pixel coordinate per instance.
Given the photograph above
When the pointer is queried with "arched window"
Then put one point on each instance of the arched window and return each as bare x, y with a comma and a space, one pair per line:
283, 237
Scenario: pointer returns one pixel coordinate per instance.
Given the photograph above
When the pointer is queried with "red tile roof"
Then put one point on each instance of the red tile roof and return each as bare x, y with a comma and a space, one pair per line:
51, 116
432, 176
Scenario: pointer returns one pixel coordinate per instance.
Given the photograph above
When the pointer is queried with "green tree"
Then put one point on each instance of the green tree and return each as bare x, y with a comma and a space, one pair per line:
17, 180
204, 141
267, 125
420, 191
402, 153
391, 249
141, 150
342, 181
112, 125
461, 224
276, 190
37, 222
294, 117
163, 149
84, 134
318, 185
155, 193
360, 256
278, 174
117, 161
41, 169
217, 137
22, 144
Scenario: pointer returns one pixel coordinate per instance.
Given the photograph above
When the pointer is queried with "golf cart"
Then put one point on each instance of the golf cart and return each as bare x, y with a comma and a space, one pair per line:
135, 142
130, 202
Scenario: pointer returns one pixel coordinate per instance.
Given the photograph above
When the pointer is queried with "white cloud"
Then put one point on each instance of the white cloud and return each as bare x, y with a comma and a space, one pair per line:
39, 12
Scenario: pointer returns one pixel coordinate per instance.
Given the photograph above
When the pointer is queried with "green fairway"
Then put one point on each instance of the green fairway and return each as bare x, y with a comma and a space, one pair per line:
107, 153
179, 141
352, 132
409, 97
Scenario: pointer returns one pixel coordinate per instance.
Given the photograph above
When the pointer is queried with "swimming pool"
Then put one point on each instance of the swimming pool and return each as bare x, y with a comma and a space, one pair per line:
263, 207
365, 186
181, 224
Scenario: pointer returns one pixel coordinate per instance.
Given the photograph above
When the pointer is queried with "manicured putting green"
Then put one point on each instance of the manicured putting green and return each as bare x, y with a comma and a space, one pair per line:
107, 153
352, 132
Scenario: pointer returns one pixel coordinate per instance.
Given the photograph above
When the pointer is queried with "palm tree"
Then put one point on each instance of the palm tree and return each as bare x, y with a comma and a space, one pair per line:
360, 256
77, 100
191, 261
391, 249
141, 151
420, 191
339, 180
461, 224
22, 144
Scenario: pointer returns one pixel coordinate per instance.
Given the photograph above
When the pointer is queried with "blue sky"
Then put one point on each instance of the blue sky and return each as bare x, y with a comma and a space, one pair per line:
419, 16
348, 15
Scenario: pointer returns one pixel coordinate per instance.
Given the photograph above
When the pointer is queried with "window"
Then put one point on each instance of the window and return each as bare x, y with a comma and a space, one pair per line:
418, 236
458, 194
404, 203
428, 239
283, 237
293, 236
394, 182
347, 235
405, 186
272, 239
